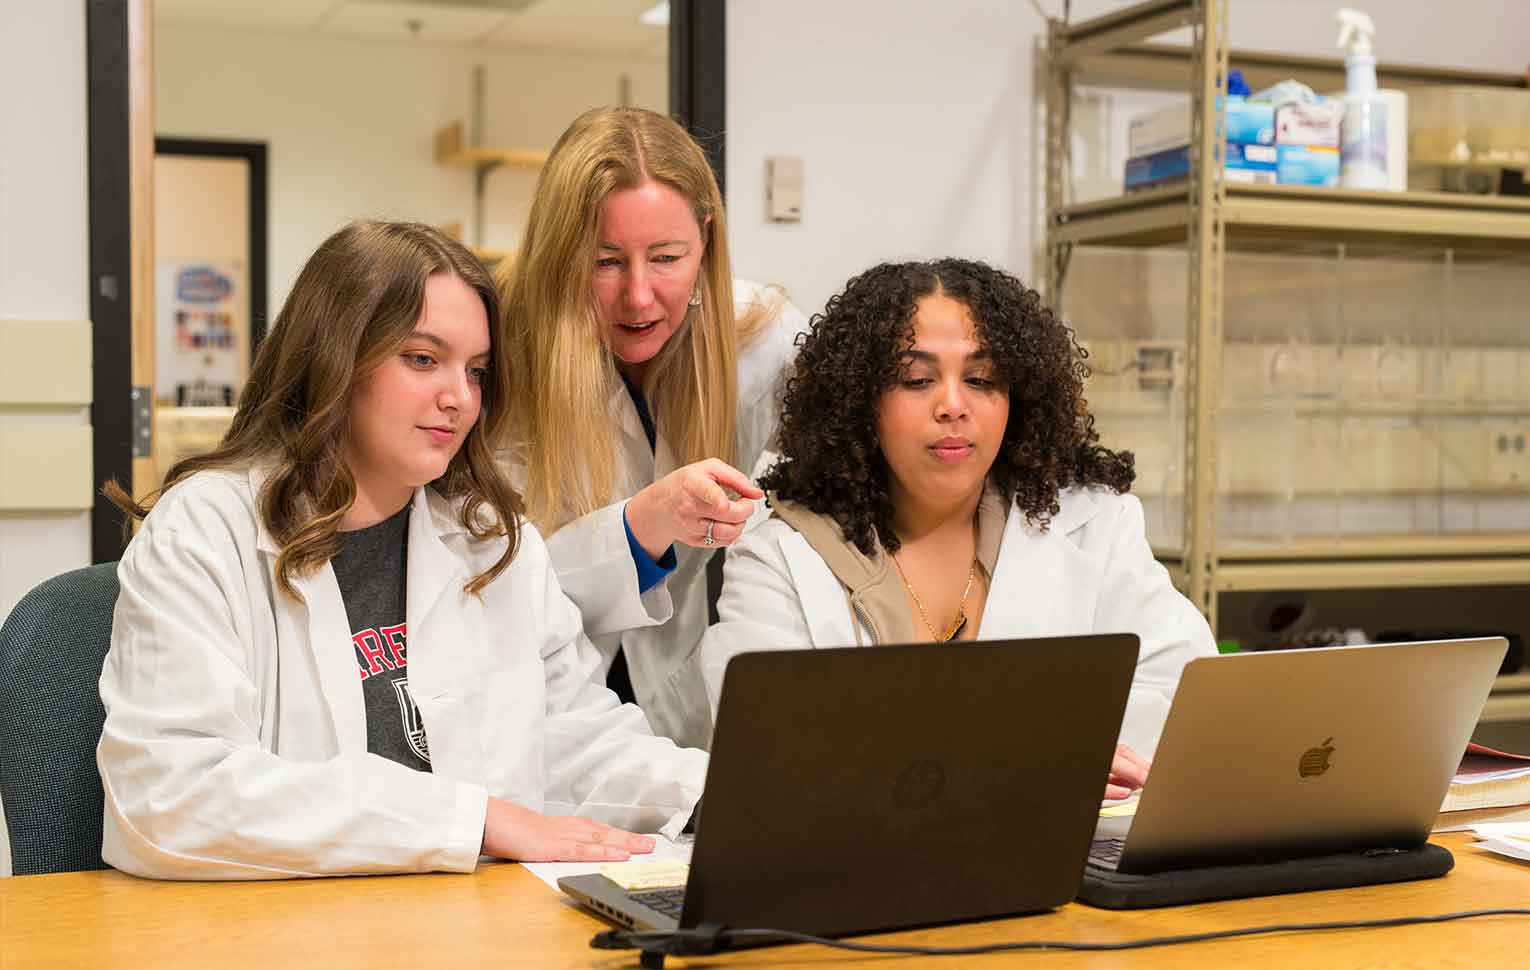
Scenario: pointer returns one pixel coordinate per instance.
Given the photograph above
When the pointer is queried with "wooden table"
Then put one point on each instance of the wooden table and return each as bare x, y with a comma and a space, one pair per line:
501, 916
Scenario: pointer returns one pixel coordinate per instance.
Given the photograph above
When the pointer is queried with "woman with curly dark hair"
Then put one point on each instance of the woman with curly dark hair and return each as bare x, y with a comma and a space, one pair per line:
941, 478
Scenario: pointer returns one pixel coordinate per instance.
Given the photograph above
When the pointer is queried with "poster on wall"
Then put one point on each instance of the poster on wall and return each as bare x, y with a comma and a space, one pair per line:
198, 356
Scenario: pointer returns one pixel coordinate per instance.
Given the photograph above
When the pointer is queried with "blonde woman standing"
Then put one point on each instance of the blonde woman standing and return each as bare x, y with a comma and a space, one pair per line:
645, 382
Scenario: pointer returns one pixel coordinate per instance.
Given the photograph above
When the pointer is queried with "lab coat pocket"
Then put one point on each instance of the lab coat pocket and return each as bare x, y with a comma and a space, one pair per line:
684, 697
504, 707
451, 734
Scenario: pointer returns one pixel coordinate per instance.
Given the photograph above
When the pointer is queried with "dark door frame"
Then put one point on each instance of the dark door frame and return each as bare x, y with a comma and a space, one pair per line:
698, 77
253, 152
110, 280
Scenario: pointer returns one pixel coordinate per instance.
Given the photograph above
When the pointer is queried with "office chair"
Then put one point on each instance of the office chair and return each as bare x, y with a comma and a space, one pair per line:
52, 647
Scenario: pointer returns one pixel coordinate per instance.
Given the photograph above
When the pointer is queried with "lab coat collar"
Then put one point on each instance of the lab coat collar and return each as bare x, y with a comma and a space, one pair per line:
646, 464
432, 569
624, 414
876, 591
1052, 569
441, 512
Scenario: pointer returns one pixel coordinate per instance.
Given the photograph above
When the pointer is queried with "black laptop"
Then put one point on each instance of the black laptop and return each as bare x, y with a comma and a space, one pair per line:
861, 789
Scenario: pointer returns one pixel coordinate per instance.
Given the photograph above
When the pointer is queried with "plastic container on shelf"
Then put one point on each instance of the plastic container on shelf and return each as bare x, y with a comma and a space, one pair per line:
1365, 390
1459, 137
1364, 141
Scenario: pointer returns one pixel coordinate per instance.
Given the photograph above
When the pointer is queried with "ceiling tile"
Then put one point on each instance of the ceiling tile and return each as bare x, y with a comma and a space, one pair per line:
583, 26
277, 15
428, 23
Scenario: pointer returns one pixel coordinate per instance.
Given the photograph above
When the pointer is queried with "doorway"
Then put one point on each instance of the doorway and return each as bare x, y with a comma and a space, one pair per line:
210, 288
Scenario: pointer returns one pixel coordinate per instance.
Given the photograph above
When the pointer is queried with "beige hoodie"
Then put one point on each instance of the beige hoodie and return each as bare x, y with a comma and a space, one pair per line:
876, 592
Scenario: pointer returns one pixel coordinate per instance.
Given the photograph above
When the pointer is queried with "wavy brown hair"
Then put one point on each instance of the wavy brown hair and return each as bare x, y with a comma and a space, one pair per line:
855, 350
353, 305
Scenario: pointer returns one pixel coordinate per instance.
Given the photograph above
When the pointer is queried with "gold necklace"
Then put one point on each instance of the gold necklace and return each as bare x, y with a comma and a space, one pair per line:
961, 608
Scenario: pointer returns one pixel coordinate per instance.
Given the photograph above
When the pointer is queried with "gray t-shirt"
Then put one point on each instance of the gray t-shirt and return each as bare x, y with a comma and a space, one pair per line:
371, 568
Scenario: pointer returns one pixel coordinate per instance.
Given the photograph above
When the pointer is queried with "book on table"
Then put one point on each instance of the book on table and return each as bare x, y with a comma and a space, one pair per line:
1490, 786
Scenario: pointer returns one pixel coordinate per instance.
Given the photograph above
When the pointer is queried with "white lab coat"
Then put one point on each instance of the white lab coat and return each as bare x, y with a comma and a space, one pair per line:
235, 742
661, 629
1092, 571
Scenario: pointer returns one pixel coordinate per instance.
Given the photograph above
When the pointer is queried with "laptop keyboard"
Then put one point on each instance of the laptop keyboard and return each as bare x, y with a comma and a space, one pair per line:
1106, 853
667, 901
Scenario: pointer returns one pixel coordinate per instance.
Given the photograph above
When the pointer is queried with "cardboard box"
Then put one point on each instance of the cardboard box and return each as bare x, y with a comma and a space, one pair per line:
1158, 131
1248, 122
1244, 163
1158, 145
1307, 142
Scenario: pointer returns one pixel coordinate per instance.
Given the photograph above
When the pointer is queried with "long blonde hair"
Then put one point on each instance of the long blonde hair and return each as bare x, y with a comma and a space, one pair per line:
356, 301
561, 428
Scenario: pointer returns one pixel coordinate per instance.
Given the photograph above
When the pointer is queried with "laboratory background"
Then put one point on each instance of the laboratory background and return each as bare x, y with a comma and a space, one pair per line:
1311, 326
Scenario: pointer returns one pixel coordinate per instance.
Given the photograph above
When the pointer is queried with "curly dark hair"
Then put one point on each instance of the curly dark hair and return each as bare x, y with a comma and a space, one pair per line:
854, 351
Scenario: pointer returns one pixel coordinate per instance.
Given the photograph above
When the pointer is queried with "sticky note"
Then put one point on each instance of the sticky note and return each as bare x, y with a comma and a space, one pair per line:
646, 873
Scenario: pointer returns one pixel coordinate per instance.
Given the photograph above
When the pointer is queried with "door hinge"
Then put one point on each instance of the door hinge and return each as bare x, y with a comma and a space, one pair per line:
143, 421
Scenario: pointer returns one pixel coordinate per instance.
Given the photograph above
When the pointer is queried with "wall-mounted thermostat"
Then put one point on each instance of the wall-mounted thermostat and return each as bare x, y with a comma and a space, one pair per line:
783, 188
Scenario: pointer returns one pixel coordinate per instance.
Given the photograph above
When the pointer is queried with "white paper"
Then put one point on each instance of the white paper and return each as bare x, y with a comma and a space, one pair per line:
1505, 838
551, 872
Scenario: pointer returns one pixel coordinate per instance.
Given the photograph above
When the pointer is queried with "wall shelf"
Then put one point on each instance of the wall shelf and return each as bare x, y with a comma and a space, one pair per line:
455, 148
452, 149
493, 256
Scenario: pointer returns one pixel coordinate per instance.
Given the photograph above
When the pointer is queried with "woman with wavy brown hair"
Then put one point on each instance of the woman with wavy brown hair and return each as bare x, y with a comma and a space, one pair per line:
338, 648
940, 478
645, 394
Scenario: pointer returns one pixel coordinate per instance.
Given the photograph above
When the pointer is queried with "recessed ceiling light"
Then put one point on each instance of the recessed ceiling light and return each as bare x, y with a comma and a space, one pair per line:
656, 15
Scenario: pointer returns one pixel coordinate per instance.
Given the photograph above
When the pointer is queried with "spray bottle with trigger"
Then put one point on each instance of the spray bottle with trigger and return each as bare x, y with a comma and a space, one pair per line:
1363, 140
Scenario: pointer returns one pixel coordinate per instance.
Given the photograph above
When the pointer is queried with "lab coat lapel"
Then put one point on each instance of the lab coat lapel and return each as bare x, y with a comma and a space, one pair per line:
314, 644
328, 642
638, 468
435, 621
664, 460
1043, 584
444, 622
432, 567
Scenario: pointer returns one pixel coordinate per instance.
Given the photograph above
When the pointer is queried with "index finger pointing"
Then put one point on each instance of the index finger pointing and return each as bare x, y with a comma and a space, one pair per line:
727, 476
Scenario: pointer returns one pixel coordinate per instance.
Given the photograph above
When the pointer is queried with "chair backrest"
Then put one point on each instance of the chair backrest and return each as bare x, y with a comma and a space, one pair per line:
52, 647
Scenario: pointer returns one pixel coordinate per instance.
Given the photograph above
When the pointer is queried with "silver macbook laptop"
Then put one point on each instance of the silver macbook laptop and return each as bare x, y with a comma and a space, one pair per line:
853, 790
1286, 754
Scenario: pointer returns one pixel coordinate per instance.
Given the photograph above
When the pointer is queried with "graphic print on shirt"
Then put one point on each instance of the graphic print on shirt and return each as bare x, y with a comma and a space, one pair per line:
382, 661
414, 728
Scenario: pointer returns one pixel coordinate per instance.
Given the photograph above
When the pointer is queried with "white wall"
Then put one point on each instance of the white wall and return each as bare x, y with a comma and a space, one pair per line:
350, 123
914, 118
43, 245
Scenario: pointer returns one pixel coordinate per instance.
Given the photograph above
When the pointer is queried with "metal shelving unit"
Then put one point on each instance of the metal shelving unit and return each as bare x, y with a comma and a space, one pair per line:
1251, 212
1208, 216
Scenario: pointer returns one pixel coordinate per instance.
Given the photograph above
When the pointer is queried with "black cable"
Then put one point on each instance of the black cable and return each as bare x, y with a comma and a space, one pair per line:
712, 938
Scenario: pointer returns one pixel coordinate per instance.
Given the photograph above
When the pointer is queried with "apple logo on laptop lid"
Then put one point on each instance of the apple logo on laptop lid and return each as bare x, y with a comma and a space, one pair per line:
1315, 760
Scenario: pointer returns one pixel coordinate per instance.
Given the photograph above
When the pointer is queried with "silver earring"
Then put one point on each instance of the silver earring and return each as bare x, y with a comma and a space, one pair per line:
696, 297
